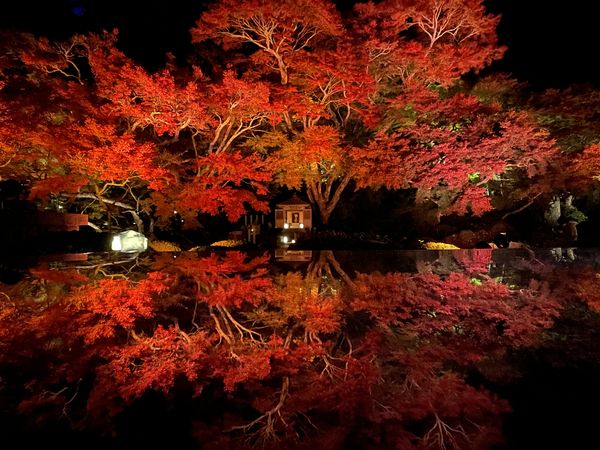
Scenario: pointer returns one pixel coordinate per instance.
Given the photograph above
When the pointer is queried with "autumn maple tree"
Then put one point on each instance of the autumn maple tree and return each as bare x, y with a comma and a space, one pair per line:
447, 143
321, 82
112, 135
570, 117
208, 118
68, 144
329, 144
279, 30
454, 150
433, 42
292, 94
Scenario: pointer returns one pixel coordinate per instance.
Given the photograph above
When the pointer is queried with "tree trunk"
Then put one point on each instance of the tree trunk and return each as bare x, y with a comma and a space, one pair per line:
553, 212
283, 72
137, 220
324, 199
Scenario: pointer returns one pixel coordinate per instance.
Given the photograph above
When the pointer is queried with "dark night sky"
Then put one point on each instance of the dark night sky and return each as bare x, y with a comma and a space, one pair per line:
549, 46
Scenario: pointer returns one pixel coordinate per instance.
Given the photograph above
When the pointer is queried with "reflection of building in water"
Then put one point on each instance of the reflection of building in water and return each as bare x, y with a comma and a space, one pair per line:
294, 217
284, 254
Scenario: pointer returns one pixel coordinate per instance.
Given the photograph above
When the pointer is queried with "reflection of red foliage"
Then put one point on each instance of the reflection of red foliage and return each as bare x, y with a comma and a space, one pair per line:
60, 276
110, 305
585, 284
375, 356
475, 261
148, 362
469, 318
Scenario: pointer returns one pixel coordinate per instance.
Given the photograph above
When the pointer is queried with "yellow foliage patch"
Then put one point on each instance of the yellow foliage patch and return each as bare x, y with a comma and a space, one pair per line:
227, 243
163, 246
440, 246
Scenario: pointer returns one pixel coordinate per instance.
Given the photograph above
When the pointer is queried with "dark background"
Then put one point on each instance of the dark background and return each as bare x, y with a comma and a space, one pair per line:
551, 44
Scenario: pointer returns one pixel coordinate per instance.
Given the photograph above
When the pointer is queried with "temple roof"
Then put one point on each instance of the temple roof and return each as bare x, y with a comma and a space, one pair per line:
293, 200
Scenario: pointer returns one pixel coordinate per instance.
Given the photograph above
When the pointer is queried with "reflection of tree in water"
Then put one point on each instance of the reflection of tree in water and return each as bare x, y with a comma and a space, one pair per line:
512, 267
326, 273
298, 360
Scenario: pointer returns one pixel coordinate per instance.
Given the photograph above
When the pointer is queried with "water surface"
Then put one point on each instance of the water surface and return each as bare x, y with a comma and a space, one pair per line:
302, 349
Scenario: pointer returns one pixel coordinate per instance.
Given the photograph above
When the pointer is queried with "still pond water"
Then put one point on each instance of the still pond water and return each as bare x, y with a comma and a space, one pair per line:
470, 349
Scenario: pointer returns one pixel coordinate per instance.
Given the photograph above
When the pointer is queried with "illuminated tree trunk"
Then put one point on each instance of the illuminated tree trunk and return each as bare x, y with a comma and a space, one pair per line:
283, 72
325, 197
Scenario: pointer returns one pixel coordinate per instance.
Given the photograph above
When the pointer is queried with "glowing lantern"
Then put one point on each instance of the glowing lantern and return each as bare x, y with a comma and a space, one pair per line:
129, 242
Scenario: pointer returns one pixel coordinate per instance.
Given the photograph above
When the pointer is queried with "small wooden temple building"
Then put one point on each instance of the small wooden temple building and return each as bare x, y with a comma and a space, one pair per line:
293, 213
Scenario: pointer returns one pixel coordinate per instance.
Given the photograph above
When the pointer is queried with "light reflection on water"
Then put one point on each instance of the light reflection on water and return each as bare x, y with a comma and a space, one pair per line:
390, 349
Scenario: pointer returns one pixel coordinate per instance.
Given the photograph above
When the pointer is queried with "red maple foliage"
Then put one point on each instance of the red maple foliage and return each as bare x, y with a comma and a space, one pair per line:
458, 146
427, 41
279, 29
367, 101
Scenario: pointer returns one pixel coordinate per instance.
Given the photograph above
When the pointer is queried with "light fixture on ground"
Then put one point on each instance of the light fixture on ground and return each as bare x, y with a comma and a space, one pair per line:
129, 242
